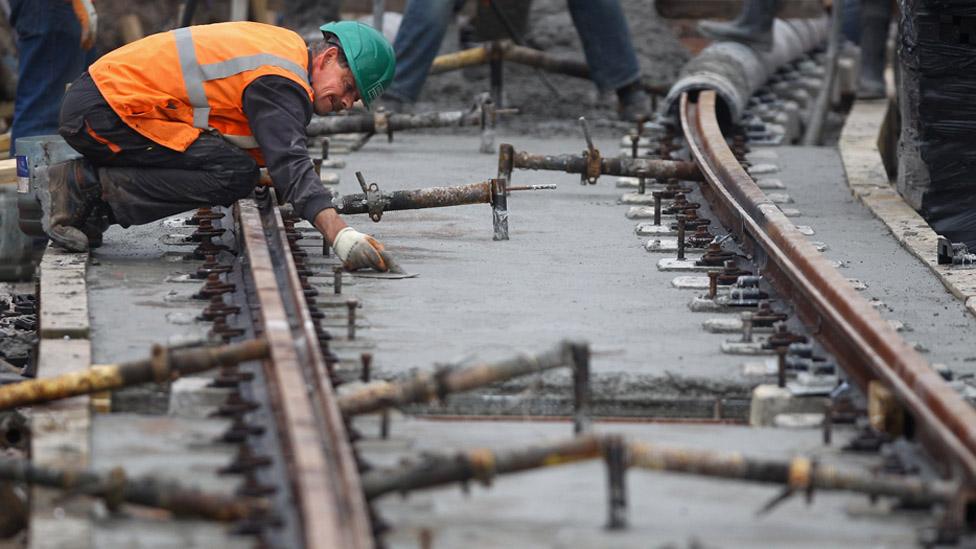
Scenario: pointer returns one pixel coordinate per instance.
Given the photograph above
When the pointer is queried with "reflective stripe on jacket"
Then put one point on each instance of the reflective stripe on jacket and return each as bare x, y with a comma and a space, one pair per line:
171, 86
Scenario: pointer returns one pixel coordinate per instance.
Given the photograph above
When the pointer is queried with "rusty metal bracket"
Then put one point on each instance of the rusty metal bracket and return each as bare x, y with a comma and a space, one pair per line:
591, 158
375, 201
499, 208
593, 163
381, 123
159, 360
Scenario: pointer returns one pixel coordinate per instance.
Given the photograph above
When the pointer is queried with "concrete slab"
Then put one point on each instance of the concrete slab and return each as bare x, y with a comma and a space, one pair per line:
571, 269
64, 304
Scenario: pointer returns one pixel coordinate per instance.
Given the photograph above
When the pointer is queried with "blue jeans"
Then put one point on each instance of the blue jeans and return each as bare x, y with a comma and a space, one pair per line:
50, 57
600, 23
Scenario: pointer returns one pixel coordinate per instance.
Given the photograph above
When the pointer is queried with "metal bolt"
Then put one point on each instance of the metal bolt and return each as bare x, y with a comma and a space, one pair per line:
781, 366
385, 424
582, 421
351, 305
681, 238
615, 455
828, 425
337, 279
746, 327
634, 142
657, 207
367, 360
712, 284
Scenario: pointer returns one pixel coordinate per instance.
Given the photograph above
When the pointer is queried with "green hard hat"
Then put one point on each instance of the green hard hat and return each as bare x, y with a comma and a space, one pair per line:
369, 55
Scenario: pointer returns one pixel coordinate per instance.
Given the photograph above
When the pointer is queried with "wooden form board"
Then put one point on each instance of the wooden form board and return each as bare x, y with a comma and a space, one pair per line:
61, 431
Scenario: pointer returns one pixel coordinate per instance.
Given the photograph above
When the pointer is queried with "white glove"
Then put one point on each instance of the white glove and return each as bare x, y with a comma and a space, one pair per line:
360, 251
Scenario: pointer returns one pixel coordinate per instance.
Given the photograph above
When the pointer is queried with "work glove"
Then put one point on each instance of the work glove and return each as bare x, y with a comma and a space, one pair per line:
88, 18
361, 251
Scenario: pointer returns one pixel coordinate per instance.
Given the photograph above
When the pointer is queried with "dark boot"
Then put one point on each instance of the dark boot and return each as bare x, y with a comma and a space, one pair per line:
875, 19
75, 192
97, 224
633, 103
753, 27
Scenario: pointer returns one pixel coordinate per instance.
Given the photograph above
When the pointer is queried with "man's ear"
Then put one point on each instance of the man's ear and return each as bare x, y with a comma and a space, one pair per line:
321, 60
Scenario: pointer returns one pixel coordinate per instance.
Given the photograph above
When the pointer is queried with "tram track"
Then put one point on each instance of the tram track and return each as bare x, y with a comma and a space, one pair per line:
320, 464
864, 344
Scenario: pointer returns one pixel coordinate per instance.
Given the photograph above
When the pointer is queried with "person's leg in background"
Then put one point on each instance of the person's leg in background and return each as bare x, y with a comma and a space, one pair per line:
50, 57
422, 30
753, 27
609, 52
875, 21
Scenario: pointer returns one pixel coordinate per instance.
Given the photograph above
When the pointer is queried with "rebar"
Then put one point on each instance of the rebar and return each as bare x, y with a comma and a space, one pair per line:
481, 464
164, 365
384, 122
114, 488
799, 473
427, 386
621, 166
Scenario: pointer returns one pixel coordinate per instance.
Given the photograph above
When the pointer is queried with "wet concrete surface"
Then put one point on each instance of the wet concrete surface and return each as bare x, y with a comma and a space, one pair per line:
566, 506
139, 296
573, 268
934, 321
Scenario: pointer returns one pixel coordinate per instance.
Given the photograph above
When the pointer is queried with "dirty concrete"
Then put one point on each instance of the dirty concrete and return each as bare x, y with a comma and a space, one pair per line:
565, 506
904, 289
135, 276
573, 269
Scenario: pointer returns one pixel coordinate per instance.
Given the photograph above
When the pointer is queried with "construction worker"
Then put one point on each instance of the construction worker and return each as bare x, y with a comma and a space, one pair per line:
183, 119
601, 26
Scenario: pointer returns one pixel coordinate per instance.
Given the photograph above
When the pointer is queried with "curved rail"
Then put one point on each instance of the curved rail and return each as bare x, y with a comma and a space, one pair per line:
321, 468
866, 346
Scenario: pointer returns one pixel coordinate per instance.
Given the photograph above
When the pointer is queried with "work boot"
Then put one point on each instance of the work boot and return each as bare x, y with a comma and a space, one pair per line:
633, 103
753, 27
75, 192
96, 224
875, 19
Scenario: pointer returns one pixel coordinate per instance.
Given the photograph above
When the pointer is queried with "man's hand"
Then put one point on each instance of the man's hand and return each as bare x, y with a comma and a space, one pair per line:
360, 251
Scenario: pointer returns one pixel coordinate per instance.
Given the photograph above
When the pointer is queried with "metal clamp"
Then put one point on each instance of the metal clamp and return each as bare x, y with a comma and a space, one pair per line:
591, 157
375, 202
160, 364
381, 123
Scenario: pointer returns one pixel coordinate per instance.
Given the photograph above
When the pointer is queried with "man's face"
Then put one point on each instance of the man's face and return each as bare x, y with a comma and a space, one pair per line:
333, 85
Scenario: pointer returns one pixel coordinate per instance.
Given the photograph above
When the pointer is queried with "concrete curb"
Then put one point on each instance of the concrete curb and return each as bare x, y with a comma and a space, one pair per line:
868, 180
61, 431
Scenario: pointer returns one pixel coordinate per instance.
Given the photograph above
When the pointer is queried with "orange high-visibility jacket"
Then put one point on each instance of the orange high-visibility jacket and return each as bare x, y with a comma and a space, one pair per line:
171, 86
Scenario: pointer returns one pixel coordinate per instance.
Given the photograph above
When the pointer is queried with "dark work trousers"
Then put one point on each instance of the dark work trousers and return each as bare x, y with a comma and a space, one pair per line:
141, 180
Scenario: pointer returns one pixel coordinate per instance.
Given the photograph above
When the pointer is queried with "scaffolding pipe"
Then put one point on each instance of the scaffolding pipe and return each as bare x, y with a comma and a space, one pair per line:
164, 365
428, 386
114, 488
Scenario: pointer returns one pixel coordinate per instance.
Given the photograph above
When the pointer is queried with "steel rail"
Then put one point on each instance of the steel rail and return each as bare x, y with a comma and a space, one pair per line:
322, 470
865, 346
